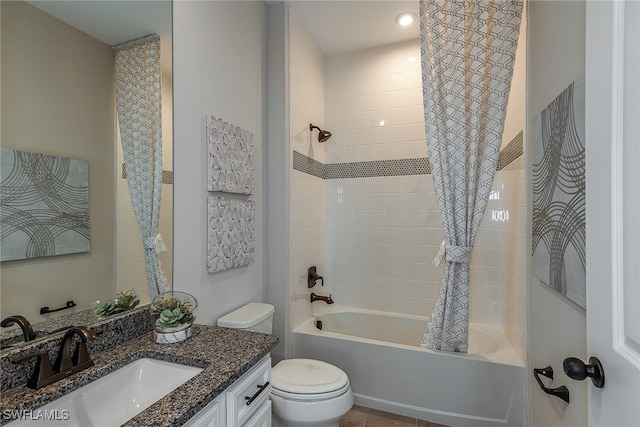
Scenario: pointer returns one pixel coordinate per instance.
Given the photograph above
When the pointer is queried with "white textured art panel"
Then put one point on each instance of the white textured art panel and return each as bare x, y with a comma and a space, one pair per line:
231, 231
230, 157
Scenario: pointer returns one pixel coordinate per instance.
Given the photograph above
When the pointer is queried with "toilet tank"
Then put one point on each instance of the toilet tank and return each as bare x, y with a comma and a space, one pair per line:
255, 317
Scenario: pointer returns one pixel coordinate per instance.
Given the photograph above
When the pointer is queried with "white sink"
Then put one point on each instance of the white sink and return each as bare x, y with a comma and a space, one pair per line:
114, 398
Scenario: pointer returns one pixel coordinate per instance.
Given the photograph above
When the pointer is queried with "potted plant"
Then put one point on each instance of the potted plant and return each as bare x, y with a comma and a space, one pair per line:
124, 301
173, 313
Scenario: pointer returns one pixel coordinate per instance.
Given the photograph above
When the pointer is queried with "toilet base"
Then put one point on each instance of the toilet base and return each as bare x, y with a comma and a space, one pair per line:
322, 413
276, 422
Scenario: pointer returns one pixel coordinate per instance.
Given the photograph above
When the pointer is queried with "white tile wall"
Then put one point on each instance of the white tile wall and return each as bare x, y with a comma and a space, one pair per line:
513, 255
306, 191
512, 183
381, 234
373, 239
374, 97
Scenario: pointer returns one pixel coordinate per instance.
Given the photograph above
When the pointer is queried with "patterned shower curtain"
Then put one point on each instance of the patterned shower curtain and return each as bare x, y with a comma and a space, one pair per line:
468, 49
138, 78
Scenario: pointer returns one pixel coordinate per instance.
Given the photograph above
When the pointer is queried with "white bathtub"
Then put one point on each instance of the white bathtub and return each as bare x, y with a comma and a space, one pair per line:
389, 370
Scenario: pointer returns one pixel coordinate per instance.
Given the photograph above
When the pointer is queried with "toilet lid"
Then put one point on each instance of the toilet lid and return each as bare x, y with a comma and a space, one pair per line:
307, 376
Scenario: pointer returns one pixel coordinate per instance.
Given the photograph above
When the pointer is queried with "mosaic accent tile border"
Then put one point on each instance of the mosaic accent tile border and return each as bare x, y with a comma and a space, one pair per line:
510, 158
167, 176
369, 169
308, 165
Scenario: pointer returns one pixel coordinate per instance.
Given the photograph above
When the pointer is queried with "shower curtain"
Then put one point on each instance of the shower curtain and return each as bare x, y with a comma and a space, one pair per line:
138, 78
468, 49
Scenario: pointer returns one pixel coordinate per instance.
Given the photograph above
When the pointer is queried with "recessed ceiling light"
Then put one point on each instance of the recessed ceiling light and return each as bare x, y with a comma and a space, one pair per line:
406, 18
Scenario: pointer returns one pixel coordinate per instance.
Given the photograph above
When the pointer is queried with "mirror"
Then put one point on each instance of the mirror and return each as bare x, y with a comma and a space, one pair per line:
58, 99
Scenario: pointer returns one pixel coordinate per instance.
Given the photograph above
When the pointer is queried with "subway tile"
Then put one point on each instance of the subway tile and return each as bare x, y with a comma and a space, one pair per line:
377, 134
484, 313
377, 83
393, 218
377, 152
345, 105
361, 86
404, 97
485, 294
405, 115
377, 66
361, 103
331, 106
132, 250
481, 275
345, 122
361, 120
377, 118
393, 201
407, 132
378, 100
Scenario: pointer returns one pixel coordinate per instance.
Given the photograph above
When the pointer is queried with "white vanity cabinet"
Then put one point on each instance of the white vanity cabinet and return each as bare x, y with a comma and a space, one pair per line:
245, 404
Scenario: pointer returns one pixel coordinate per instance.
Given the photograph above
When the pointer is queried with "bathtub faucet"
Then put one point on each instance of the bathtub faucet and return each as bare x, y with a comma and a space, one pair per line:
315, 297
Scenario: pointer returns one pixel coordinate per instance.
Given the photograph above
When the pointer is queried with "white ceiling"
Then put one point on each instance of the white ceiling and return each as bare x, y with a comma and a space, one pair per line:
337, 26
112, 22
340, 26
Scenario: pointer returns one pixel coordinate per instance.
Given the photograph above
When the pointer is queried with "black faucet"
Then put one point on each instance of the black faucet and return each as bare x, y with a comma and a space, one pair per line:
27, 331
65, 364
315, 297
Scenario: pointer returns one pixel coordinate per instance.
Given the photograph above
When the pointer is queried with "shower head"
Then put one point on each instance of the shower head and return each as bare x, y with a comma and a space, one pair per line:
323, 135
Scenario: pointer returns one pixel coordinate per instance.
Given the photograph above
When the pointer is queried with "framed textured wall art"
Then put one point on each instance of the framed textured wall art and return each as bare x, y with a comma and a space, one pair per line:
230, 151
44, 206
230, 233
559, 232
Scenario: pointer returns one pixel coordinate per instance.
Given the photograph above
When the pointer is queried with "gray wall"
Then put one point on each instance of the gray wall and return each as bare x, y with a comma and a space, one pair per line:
557, 327
219, 57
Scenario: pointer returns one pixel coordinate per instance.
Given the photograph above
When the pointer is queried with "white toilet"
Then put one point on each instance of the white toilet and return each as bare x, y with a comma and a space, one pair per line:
304, 392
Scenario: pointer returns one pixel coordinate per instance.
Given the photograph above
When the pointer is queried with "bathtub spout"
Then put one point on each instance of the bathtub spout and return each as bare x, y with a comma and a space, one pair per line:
315, 297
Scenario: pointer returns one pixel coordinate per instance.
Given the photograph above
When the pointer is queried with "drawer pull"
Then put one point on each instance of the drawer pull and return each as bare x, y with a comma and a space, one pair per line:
257, 393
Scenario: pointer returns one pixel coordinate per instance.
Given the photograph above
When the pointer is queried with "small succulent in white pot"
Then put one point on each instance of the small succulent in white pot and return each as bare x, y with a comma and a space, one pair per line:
169, 318
173, 312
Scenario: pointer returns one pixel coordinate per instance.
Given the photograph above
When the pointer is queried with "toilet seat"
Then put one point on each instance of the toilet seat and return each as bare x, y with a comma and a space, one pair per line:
308, 379
309, 397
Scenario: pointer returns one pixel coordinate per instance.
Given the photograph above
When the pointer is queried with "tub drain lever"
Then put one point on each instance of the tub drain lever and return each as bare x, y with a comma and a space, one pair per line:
562, 392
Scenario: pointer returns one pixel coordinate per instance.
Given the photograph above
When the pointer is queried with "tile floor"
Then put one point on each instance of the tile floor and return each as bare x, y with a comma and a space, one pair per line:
359, 416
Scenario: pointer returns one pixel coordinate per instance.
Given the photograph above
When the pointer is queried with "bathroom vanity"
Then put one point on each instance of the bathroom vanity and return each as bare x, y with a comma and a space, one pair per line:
246, 403
231, 390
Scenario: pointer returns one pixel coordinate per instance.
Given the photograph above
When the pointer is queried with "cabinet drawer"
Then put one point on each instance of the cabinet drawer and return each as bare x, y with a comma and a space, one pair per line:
249, 394
262, 418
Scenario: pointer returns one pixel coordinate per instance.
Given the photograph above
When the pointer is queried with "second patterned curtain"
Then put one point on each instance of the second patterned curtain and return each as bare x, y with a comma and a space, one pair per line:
468, 49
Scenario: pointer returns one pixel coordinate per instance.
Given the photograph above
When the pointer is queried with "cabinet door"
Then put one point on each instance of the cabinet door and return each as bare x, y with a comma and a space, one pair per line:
211, 415
262, 417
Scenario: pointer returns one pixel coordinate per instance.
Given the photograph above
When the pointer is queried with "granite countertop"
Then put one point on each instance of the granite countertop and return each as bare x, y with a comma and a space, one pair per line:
12, 337
224, 354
